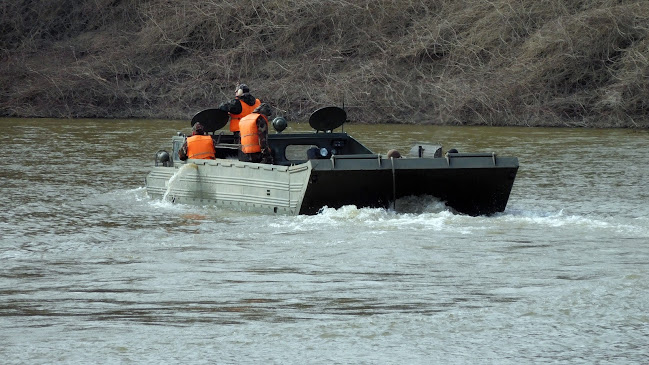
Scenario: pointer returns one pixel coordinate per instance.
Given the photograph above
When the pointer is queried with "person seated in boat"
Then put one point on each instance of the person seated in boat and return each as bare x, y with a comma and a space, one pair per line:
242, 104
254, 136
198, 145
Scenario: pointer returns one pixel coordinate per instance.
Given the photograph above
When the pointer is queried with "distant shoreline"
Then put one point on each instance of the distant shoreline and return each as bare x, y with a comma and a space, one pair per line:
581, 64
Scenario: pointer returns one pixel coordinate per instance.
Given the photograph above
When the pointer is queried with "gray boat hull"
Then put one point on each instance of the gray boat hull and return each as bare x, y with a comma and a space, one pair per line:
231, 184
327, 169
474, 184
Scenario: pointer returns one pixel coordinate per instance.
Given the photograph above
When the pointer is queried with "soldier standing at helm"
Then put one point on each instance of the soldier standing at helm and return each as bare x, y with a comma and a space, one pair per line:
242, 104
198, 146
254, 136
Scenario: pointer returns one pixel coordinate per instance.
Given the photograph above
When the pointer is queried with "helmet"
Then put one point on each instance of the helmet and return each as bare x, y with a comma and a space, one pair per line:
264, 109
241, 89
198, 128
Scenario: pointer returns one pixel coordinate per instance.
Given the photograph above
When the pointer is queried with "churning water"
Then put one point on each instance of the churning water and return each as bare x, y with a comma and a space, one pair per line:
94, 271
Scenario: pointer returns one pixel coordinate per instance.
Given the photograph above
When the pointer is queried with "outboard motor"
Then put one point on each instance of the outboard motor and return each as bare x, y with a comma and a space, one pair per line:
162, 157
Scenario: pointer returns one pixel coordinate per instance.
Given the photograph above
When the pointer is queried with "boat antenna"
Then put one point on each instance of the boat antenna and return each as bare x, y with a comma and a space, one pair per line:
343, 126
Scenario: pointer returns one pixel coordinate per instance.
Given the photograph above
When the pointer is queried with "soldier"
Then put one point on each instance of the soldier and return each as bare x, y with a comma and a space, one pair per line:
198, 146
254, 136
242, 104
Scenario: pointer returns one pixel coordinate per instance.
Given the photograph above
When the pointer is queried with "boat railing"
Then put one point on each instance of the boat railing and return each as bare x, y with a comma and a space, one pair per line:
357, 156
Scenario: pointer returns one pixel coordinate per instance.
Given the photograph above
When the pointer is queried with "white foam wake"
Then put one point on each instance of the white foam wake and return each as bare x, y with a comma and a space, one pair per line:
175, 177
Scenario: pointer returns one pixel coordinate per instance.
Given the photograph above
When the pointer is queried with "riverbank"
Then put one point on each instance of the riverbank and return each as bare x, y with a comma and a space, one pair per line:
553, 63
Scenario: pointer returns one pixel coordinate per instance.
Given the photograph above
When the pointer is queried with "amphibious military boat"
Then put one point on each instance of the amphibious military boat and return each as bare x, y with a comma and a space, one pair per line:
327, 169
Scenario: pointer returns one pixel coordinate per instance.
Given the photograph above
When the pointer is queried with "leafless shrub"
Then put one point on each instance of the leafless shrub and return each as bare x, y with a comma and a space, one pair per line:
499, 62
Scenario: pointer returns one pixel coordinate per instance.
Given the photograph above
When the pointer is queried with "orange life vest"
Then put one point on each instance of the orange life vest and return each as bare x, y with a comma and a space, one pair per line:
250, 133
245, 110
200, 147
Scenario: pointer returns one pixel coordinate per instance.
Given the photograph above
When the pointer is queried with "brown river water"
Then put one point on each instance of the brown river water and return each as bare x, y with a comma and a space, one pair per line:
94, 271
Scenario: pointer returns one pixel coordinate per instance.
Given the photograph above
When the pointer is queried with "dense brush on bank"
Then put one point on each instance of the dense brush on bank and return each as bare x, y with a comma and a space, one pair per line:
499, 62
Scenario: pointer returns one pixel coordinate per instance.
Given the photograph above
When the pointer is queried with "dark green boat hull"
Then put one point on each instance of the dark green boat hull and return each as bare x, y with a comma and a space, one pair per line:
469, 183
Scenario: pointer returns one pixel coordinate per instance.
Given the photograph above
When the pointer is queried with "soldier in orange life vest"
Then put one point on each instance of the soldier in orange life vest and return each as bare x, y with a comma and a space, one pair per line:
242, 105
254, 136
198, 146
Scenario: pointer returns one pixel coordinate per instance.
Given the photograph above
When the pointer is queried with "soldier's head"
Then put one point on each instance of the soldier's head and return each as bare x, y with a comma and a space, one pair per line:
198, 129
241, 89
264, 109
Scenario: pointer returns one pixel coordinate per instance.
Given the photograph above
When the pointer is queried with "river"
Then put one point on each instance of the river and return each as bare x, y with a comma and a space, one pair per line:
94, 271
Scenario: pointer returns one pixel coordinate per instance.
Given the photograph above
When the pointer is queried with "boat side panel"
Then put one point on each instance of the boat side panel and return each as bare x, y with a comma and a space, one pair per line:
337, 188
233, 184
474, 185
474, 192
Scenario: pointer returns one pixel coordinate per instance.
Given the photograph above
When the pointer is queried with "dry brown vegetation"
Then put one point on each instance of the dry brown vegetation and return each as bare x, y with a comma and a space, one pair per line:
500, 62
